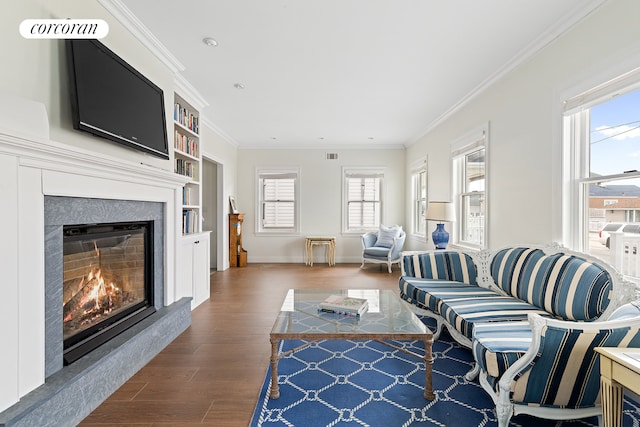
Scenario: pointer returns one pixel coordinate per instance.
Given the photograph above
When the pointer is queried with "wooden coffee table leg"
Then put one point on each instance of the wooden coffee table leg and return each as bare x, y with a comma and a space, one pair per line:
428, 365
275, 389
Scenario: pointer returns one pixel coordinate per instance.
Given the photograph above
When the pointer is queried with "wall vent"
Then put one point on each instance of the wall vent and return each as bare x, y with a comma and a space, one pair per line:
332, 156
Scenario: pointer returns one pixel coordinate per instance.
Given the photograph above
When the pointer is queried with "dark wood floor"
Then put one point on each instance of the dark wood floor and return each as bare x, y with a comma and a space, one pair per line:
211, 374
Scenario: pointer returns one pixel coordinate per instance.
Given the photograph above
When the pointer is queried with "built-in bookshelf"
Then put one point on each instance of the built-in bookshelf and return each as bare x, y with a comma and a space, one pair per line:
187, 161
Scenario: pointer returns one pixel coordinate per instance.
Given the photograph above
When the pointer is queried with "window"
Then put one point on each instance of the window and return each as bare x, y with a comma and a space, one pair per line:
602, 145
419, 198
362, 199
470, 181
278, 201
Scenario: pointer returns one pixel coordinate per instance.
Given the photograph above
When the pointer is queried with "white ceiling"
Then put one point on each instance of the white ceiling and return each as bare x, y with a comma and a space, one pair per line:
346, 73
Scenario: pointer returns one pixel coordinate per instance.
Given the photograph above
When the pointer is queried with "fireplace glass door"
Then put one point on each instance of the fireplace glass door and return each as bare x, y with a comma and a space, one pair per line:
107, 283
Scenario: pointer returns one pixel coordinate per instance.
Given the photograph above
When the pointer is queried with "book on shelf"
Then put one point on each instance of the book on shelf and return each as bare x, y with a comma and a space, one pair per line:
189, 221
342, 304
189, 195
186, 118
185, 144
187, 168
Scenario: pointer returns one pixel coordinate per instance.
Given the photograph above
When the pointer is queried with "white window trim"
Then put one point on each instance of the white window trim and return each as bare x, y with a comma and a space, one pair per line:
361, 170
478, 137
415, 168
576, 155
260, 171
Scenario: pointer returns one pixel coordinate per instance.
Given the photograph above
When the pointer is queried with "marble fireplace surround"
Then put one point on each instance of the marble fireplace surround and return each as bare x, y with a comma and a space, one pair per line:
35, 388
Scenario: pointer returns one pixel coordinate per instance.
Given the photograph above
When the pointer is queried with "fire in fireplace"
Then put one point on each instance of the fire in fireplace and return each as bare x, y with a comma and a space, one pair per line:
107, 283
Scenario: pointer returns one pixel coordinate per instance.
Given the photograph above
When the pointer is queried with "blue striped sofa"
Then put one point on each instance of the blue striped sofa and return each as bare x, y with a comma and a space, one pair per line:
532, 316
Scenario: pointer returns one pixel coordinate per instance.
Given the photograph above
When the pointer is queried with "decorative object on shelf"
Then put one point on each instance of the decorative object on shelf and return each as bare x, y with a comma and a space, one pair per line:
440, 212
232, 205
237, 255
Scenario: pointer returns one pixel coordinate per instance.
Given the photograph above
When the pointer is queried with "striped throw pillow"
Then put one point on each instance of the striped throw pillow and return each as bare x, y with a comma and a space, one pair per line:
386, 236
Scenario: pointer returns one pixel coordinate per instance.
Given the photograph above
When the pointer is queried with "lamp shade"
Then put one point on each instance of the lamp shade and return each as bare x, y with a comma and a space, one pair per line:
440, 211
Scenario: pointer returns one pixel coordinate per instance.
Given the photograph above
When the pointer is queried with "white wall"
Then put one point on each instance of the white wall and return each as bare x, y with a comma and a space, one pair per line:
225, 154
38, 70
320, 199
524, 112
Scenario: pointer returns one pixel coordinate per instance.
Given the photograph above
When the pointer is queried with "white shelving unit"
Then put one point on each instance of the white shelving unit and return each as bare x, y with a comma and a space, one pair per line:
188, 162
193, 253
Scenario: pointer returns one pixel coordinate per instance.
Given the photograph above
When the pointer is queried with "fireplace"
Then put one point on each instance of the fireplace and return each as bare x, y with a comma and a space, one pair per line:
107, 282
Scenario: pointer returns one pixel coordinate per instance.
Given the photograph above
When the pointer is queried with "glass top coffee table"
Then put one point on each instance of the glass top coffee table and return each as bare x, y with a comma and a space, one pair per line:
387, 318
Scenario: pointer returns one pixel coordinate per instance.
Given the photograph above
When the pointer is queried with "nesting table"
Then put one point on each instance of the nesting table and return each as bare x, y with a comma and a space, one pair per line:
328, 242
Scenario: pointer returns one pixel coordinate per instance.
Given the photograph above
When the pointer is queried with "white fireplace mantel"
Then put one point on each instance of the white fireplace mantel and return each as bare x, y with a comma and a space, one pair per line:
31, 167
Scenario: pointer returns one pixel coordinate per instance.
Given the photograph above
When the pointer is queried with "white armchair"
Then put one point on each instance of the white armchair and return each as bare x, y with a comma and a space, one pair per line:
383, 246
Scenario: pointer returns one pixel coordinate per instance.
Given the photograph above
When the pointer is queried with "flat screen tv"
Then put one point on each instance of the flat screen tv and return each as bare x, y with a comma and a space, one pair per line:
109, 98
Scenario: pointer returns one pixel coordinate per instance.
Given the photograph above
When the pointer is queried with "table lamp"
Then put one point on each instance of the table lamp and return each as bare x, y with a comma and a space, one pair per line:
440, 212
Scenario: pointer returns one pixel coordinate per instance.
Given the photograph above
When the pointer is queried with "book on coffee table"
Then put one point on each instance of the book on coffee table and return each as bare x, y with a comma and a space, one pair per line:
342, 304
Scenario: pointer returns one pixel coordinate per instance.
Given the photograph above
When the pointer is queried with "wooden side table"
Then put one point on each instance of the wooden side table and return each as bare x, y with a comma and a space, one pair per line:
329, 242
618, 370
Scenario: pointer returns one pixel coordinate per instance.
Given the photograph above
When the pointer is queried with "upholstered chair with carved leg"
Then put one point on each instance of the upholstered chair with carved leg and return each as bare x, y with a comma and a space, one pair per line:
383, 246
547, 367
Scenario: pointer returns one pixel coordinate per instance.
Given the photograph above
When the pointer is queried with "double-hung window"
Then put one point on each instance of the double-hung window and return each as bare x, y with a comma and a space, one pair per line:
601, 172
418, 197
278, 201
362, 209
470, 183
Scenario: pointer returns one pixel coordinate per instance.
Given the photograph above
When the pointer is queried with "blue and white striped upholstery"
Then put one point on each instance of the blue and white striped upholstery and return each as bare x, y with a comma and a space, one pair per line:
533, 336
481, 307
443, 265
429, 293
566, 370
566, 286
497, 345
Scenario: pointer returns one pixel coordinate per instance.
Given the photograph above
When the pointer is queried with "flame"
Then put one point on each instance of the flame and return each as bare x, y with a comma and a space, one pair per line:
97, 294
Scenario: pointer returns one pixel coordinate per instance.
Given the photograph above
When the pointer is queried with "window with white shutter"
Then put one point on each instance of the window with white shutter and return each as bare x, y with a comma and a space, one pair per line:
278, 201
363, 200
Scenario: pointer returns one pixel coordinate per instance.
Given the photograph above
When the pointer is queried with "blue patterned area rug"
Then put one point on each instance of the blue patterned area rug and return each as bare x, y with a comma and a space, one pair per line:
365, 383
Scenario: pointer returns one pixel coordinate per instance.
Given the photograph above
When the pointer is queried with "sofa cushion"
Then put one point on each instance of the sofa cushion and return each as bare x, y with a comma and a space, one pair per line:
463, 313
497, 345
566, 286
626, 311
429, 293
375, 252
444, 265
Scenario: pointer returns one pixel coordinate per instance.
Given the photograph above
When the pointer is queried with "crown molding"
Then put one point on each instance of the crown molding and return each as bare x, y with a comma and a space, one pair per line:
561, 26
226, 137
142, 33
189, 93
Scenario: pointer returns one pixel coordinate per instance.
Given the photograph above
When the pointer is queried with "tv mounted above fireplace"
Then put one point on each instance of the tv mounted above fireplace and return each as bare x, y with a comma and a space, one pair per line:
109, 98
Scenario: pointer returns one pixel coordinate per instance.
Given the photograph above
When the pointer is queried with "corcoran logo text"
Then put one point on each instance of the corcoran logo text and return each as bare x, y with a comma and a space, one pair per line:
63, 28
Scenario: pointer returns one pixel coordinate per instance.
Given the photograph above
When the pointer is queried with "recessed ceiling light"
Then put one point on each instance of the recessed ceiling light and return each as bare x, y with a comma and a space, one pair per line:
238, 86
210, 41
371, 138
